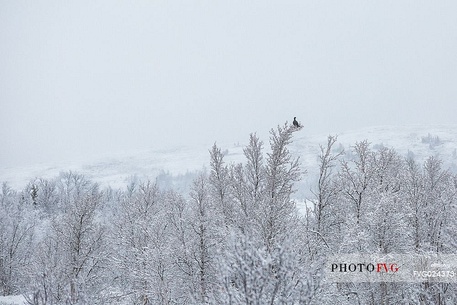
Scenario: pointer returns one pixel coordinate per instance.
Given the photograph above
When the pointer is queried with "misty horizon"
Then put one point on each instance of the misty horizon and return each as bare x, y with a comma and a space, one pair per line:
83, 78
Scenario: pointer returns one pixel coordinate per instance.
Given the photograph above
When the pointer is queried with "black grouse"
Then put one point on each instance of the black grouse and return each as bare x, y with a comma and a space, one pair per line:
295, 122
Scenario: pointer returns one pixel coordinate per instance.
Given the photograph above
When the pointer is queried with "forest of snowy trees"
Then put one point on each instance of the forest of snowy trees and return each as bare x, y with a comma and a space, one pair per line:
237, 238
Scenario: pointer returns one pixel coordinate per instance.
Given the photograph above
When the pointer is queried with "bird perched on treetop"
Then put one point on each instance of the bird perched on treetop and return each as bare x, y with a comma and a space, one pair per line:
295, 122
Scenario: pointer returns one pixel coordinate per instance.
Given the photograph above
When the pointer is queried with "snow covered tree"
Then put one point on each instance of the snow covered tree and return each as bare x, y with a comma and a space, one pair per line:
388, 226
255, 170
262, 263
356, 176
254, 276
276, 209
205, 224
70, 261
430, 196
326, 215
141, 240
46, 198
17, 225
219, 184
254, 183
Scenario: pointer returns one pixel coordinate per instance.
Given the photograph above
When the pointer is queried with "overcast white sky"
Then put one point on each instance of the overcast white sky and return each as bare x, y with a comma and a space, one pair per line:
85, 77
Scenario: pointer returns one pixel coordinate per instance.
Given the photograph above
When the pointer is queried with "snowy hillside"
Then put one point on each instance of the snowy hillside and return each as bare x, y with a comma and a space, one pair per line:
75, 243
177, 166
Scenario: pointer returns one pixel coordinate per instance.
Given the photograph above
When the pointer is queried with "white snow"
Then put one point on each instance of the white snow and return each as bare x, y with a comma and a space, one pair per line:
12, 300
116, 169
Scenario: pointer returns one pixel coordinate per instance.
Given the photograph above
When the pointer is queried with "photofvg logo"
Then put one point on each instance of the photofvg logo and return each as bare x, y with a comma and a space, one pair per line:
365, 267
392, 268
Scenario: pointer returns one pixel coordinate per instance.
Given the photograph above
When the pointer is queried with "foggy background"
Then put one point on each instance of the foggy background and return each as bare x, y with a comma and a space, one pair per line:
79, 78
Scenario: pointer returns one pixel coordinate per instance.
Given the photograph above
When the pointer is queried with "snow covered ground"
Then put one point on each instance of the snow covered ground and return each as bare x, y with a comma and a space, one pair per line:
12, 300
177, 165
